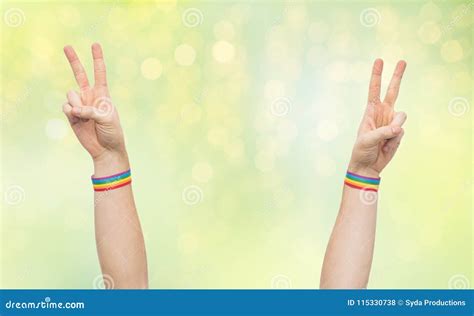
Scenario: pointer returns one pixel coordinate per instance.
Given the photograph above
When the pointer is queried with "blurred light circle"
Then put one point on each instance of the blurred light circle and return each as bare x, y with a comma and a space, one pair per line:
151, 68
184, 55
327, 130
430, 11
429, 33
224, 30
202, 172
56, 129
223, 52
452, 51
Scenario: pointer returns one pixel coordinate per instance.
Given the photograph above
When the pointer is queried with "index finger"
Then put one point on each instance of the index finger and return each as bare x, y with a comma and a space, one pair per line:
394, 86
77, 69
99, 65
376, 80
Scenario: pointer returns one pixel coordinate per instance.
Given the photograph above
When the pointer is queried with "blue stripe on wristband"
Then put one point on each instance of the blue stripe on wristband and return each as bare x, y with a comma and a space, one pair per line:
112, 178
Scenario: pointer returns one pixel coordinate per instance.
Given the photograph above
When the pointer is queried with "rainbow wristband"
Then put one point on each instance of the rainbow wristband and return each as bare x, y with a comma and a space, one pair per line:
361, 183
112, 182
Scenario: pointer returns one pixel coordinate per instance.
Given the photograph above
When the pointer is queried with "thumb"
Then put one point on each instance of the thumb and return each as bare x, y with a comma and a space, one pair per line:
374, 137
88, 112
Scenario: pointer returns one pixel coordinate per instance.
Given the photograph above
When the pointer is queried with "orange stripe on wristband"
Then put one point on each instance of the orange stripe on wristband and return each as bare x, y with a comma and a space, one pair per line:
361, 183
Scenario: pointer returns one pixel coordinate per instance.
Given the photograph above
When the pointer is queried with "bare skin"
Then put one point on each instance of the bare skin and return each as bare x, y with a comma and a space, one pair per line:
95, 122
349, 253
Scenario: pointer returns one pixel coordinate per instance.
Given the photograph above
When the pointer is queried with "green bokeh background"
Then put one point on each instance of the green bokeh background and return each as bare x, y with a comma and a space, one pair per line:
238, 140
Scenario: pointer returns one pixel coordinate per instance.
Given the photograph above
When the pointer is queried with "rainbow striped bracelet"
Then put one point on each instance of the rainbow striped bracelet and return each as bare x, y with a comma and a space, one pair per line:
361, 183
112, 182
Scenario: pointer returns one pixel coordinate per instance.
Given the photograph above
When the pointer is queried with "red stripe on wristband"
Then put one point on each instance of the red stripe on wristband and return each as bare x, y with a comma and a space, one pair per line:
360, 188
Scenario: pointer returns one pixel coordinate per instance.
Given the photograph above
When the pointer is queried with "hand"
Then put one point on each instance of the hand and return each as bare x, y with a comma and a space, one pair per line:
380, 131
91, 113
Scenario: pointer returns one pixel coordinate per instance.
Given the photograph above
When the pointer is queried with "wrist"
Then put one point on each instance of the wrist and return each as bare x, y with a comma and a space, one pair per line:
363, 170
110, 162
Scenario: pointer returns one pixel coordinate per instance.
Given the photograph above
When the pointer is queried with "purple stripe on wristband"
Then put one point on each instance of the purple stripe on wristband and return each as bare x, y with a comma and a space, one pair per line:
357, 175
114, 175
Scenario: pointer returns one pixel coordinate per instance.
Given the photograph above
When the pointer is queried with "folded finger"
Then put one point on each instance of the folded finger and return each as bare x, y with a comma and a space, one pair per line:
392, 145
74, 99
399, 119
67, 109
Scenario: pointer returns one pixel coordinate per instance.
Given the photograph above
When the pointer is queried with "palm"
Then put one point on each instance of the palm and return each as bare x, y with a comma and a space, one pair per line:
95, 135
368, 152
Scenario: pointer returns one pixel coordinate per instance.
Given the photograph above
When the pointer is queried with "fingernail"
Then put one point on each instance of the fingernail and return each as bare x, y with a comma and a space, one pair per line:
77, 110
396, 129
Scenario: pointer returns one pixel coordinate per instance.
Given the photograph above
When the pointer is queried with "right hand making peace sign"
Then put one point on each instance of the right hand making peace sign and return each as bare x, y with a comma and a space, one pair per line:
91, 113
380, 131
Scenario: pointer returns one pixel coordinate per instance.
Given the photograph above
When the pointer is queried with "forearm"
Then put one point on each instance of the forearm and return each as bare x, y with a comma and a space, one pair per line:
349, 252
119, 237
